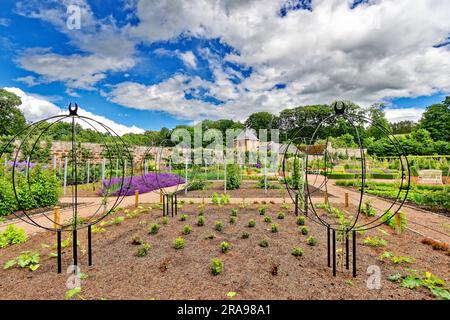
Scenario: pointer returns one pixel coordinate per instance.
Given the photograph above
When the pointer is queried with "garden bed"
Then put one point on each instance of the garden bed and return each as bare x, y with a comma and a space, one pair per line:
252, 272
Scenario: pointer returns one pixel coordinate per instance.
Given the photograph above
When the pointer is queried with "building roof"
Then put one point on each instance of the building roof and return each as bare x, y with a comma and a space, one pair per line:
247, 134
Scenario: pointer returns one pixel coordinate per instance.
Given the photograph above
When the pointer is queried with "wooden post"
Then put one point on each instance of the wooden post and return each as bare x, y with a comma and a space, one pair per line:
346, 199
136, 198
160, 196
57, 215
399, 223
326, 197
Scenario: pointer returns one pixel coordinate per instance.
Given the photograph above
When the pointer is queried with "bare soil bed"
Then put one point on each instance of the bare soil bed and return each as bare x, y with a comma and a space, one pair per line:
249, 270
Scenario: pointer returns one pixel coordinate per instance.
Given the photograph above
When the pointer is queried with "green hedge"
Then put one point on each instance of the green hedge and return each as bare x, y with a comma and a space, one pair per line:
233, 177
45, 190
341, 176
388, 176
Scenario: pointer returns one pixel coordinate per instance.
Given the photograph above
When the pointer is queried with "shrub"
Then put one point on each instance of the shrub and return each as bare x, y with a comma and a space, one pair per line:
187, 230
225, 247
154, 228
216, 266
26, 259
301, 220
234, 212
179, 243
392, 222
143, 250
304, 230
311, 241
280, 215
264, 243
245, 235
164, 220
233, 177
218, 225
341, 176
199, 184
232, 220
367, 209
215, 198
251, 223
262, 210
267, 219
297, 252
12, 235
224, 199
375, 242
274, 228
201, 221
183, 217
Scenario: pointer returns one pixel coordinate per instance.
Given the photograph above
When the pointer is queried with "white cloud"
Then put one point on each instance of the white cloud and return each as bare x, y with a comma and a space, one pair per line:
28, 80
189, 59
4, 22
36, 108
397, 115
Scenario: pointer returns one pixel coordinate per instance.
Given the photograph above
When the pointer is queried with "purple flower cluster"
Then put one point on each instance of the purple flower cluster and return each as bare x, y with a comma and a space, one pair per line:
147, 183
258, 165
22, 165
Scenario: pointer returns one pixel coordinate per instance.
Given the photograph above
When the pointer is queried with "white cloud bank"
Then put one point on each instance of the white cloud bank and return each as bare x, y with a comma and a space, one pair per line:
36, 108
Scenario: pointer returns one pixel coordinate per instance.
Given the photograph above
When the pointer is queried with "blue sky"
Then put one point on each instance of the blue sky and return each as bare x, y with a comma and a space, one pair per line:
145, 64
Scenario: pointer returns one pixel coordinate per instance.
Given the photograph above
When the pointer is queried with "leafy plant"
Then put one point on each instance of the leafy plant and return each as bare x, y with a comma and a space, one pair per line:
143, 250
216, 266
304, 230
179, 243
367, 209
183, 217
234, 212
280, 215
233, 177
301, 220
262, 210
26, 259
201, 221
215, 198
218, 225
225, 247
251, 223
154, 228
297, 252
375, 242
232, 220
392, 221
164, 220
12, 235
245, 235
72, 292
267, 219
311, 241
274, 228
264, 243
224, 199
187, 230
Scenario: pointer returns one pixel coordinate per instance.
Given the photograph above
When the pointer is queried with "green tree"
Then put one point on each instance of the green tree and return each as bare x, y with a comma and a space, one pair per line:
378, 116
260, 121
403, 127
12, 119
436, 120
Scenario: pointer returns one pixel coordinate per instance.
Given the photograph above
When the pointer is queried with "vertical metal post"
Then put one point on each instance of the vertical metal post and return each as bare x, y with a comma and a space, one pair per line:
306, 203
334, 253
164, 204
328, 247
90, 245
186, 183
65, 175
354, 253
75, 248
346, 199
296, 204
347, 253
176, 204
58, 244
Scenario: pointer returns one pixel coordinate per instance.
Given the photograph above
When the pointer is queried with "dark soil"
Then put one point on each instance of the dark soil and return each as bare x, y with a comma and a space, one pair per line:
249, 270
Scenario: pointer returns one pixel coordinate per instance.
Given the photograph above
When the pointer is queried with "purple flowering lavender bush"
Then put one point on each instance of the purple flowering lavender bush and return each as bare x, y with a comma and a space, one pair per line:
147, 183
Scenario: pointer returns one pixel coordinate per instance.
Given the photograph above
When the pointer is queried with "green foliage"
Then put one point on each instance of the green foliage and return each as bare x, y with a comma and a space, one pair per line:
245, 235
143, 250
216, 266
179, 243
187, 230
72, 292
435, 285
392, 222
262, 210
436, 120
198, 184
154, 228
367, 209
183, 217
233, 177
296, 175
232, 220
26, 259
280, 215
12, 235
234, 212
201, 221
301, 220
44, 186
375, 241
215, 198
251, 223
12, 119
164, 220
264, 243
224, 199
225, 247
304, 230
311, 241
218, 225
274, 228
297, 252
267, 219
